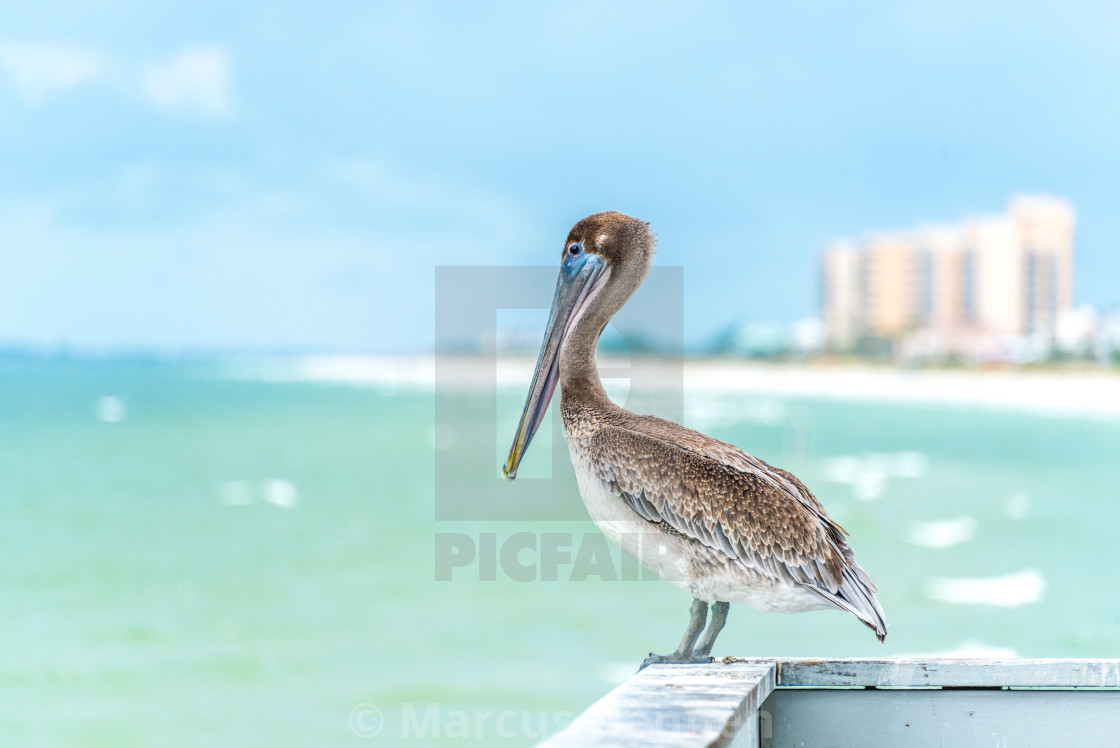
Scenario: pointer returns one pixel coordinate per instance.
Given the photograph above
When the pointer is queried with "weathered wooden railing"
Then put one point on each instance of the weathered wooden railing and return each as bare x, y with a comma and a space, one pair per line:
775, 703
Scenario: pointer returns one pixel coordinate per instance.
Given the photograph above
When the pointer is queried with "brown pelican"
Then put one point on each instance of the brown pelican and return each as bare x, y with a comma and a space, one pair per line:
707, 516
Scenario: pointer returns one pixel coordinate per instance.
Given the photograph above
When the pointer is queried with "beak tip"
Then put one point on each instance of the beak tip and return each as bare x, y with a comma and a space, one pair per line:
508, 474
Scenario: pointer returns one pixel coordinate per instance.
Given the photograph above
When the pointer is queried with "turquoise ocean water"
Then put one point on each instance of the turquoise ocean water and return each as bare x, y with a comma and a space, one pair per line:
193, 559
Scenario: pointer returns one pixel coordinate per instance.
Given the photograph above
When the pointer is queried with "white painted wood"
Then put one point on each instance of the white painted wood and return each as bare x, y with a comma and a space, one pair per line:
748, 735
962, 718
676, 705
741, 703
920, 672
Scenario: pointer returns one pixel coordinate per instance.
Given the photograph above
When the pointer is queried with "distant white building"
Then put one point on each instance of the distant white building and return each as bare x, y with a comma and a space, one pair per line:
979, 287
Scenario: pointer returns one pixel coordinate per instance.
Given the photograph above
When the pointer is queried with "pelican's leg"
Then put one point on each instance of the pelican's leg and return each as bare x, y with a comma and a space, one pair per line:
719, 617
698, 615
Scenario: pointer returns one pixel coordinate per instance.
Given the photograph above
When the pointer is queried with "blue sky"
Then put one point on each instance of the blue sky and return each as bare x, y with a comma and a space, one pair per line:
257, 175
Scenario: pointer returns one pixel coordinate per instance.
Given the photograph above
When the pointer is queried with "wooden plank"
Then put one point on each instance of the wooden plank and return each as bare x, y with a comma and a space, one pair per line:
719, 705
676, 705
942, 672
919, 718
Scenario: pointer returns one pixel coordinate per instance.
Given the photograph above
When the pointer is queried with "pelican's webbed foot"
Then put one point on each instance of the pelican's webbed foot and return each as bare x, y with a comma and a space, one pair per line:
697, 616
674, 659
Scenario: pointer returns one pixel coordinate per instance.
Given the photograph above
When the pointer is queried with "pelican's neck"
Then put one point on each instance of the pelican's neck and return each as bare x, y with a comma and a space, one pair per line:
579, 376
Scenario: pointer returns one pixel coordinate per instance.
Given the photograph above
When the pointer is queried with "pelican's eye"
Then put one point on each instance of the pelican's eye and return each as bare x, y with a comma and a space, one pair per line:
575, 248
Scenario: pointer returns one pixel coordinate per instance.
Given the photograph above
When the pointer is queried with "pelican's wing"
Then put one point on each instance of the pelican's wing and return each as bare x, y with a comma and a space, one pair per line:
729, 501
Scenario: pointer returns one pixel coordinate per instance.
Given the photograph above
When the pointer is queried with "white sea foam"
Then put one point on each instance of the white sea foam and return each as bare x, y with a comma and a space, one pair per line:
1018, 506
870, 484
704, 410
942, 533
110, 409
869, 475
275, 491
279, 492
236, 492
908, 464
1009, 591
842, 469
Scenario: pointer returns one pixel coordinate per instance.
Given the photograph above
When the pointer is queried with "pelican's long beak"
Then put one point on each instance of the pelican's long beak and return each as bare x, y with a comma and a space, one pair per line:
579, 274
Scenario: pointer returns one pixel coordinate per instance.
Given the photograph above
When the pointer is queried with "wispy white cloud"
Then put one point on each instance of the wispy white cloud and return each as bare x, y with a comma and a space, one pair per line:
194, 80
40, 71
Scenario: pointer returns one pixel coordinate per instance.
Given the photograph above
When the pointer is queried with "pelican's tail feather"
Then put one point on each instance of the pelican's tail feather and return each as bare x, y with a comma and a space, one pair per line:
857, 596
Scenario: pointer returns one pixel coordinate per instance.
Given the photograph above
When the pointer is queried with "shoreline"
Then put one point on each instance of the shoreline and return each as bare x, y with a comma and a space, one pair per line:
1092, 394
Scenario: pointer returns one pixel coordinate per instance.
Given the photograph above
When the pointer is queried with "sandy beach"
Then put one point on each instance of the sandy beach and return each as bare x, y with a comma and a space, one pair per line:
1073, 393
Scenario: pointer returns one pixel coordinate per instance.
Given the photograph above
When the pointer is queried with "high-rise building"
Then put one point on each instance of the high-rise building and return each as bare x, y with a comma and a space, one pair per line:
949, 288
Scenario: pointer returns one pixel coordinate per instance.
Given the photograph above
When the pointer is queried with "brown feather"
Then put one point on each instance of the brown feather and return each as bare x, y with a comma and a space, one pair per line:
716, 494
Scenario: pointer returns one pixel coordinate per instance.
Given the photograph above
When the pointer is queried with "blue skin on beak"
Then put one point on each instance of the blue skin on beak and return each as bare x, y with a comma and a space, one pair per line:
578, 273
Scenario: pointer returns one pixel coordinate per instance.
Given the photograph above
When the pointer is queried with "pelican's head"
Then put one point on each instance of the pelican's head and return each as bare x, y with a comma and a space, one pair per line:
604, 260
